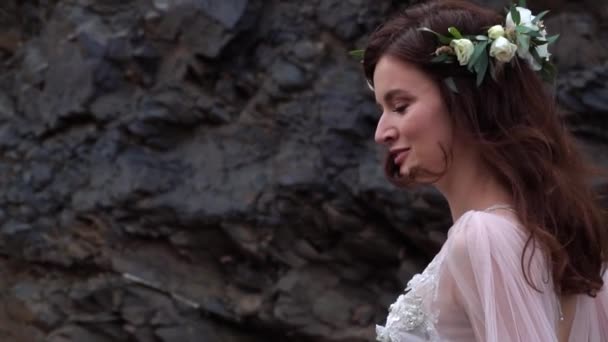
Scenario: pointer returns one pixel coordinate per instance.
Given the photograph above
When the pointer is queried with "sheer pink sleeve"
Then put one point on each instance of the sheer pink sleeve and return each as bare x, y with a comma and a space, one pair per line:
591, 317
485, 277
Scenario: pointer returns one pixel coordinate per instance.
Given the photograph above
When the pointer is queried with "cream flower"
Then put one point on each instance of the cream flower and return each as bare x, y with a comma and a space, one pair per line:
502, 49
464, 50
523, 51
543, 53
525, 18
496, 31
543, 50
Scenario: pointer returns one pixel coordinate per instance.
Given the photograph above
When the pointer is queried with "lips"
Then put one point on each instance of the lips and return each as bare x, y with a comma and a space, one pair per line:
399, 155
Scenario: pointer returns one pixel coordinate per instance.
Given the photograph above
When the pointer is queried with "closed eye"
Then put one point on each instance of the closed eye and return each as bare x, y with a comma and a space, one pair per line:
400, 109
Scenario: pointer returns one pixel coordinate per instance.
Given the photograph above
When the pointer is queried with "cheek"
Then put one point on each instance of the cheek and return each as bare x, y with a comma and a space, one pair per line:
418, 127
426, 131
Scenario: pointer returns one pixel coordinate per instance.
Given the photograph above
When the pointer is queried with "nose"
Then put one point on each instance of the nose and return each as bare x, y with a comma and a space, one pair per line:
385, 133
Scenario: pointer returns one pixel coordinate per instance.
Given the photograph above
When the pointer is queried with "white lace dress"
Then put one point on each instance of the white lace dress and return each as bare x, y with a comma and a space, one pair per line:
475, 290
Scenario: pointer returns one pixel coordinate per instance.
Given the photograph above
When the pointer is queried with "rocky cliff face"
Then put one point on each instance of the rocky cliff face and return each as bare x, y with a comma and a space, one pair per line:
203, 170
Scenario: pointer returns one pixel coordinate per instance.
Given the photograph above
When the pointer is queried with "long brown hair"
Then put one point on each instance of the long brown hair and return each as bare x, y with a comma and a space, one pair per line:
514, 122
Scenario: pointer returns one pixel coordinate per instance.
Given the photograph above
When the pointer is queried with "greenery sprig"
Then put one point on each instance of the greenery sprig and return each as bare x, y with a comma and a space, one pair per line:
523, 35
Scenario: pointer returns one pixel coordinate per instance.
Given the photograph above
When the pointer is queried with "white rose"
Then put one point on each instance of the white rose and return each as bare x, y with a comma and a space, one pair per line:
525, 18
543, 53
543, 50
502, 49
525, 53
496, 31
464, 50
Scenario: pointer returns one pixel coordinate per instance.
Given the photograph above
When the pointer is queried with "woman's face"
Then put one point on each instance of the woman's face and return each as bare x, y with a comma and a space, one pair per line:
415, 123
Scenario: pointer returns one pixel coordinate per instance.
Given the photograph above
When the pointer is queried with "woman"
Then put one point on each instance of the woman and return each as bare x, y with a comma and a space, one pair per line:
464, 109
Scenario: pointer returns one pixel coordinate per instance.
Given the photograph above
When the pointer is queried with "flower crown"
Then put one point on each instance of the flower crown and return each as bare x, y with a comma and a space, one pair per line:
523, 35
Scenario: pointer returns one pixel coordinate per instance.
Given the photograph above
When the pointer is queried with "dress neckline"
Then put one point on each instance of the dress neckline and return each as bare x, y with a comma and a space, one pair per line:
489, 210
498, 207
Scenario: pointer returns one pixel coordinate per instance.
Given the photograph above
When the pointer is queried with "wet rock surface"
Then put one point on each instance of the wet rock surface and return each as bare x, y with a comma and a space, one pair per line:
204, 170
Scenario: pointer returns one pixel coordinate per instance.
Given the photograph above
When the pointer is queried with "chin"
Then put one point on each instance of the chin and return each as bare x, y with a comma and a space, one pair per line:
404, 172
405, 169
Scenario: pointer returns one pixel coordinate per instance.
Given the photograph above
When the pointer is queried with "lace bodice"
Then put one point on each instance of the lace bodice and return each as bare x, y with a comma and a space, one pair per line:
409, 315
475, 290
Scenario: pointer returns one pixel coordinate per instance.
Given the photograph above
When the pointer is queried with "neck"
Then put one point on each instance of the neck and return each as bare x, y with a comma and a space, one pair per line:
469, 185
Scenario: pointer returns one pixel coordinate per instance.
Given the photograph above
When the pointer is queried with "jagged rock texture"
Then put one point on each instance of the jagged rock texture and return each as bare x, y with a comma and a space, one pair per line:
204, 170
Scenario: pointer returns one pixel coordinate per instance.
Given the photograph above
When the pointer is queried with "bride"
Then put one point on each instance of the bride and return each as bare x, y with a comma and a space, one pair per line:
464, 109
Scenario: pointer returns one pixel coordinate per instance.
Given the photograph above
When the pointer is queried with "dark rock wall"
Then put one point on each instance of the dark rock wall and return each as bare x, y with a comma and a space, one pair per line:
204, 170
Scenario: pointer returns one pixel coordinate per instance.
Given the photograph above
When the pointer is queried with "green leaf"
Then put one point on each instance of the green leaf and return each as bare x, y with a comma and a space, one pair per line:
515, 15
480, 49
535, 34
480, 37
524, 29
523, 42
449, 82
454, 32
481, 68
552, 39
522, 3
357, 54
539, 16
443, 39
537, 57
443, 58
537, 42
